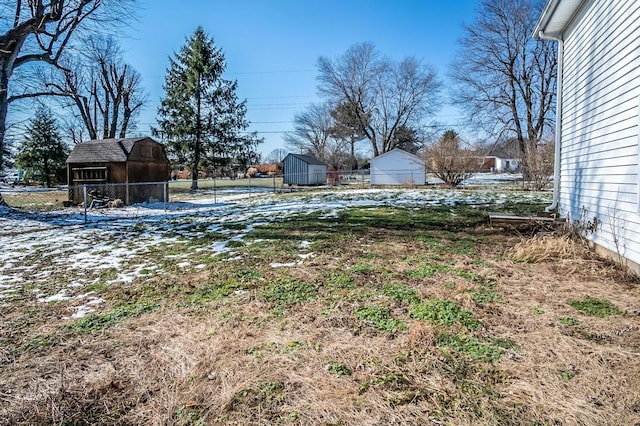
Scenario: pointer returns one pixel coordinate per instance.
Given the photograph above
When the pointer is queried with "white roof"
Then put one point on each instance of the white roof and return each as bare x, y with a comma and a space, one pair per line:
557, 15
406, 154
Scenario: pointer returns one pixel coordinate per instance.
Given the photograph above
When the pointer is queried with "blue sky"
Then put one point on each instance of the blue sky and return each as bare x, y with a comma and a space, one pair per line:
272, 47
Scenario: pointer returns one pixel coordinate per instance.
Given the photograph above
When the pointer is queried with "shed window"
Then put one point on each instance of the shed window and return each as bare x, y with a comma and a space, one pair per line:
89, 174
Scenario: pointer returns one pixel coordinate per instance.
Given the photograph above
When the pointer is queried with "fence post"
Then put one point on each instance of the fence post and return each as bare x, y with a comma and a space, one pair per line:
274, 183
166, 194
84, 197
362, 177
249, 187
215, 191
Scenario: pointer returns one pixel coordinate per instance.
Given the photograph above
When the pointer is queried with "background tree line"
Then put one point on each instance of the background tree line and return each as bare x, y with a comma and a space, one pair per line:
503, 81
64, 53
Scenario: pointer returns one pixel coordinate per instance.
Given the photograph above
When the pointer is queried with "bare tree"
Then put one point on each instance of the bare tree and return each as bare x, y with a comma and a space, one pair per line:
313, 135
38, 31
450, 161
276, 156
385, 95
106, 92
505, 78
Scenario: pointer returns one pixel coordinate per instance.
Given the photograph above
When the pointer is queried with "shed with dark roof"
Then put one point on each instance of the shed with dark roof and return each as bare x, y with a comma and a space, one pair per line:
302, 169
130, 169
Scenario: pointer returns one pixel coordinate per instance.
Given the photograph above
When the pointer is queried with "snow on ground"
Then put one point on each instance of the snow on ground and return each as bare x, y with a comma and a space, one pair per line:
111, 246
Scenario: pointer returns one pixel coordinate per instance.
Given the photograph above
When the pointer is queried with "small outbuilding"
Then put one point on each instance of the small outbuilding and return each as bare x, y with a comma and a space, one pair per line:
131, 169
397, 167
304, 170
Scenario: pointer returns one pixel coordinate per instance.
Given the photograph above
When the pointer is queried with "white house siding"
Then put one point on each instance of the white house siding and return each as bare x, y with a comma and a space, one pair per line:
599, 173
397, 167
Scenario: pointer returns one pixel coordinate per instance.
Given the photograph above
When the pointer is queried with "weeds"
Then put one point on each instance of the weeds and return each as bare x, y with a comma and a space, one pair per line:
401, 293
601, 308
380, 318
288, 291
443, 312
95, 322
338, 369
470, 346
568, 321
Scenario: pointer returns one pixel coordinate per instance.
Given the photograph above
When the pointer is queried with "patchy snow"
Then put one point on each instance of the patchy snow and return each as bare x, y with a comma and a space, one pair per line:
114, 245
305, 244
284, 265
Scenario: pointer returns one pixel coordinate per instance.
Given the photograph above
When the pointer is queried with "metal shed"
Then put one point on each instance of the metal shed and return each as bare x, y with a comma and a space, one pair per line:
119, 168
304, 170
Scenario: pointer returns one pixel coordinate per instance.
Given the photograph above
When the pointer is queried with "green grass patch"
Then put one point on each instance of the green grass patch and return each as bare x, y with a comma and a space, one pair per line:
567, 374
340, 280
470, 346
339, 369
287, 291
401, 293
444, 312
362, 268
380, 318
601, 308
425, 270
568, 321
484, 296
95, 322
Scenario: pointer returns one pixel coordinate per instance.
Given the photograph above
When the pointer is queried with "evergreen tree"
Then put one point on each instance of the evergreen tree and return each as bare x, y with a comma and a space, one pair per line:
200, 115
43, 153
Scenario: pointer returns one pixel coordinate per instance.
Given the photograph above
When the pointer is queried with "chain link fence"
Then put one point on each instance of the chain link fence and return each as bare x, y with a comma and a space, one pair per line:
98, 196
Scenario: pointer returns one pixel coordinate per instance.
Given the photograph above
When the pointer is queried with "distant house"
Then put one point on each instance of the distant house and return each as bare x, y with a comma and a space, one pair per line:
597, 173
102, 164
496, 164
304, 170
271, 169
397, 167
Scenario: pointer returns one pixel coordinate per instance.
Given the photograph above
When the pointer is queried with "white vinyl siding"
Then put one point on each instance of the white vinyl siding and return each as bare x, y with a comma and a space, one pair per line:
600, 153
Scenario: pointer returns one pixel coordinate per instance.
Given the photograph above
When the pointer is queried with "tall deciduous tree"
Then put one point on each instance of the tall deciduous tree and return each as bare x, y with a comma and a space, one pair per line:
505, 78
38, 31
106, 92
313, 134
385, 95
276, 156
200, 115
43, 152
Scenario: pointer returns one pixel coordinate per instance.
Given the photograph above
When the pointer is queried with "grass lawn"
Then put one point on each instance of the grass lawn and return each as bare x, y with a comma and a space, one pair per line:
372, 314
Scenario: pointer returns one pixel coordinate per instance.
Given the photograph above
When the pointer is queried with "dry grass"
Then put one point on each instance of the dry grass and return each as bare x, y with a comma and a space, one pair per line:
241, 359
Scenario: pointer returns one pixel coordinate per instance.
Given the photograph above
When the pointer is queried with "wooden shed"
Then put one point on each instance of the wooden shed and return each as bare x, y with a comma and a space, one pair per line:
119, 169
304, 170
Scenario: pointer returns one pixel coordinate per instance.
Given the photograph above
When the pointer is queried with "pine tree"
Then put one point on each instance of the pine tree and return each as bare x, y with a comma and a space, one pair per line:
43, 152
200, 114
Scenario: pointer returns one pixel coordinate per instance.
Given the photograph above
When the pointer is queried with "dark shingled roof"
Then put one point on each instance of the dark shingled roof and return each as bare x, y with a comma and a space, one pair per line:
308, 159
103, 151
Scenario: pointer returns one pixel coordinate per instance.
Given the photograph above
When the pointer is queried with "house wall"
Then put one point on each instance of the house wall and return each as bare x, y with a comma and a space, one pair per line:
599, 172
397, 168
